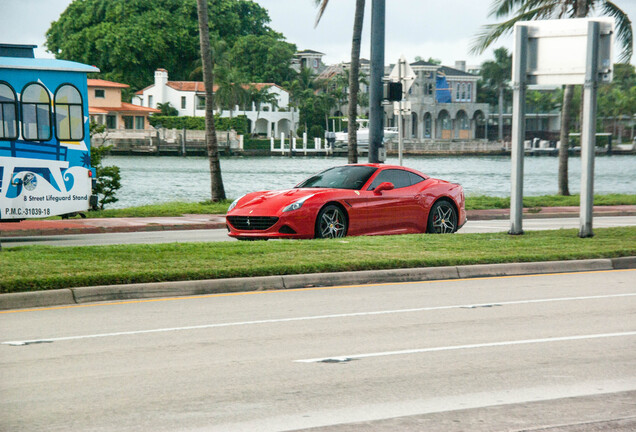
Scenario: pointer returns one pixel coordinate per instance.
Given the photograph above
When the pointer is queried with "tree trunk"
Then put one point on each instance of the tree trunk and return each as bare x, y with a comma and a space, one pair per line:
216, 181
563, 149
581, 12
501, 100
354, 85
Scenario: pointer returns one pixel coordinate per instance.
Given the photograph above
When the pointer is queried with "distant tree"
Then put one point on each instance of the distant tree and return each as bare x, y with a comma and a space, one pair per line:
496, 75
167, 109
429, 60
231, 88
129, 39
262, 97
263, 58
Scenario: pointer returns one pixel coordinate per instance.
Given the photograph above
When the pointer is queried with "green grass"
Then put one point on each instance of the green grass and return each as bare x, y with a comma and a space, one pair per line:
487, 202
164, 209
45, 267
472, 203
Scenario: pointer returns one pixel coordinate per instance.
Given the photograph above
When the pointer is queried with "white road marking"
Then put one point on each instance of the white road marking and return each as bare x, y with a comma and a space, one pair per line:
315, 317
340, 358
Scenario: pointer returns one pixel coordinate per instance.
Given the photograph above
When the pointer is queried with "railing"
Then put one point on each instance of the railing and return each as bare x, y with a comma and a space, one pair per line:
293, 146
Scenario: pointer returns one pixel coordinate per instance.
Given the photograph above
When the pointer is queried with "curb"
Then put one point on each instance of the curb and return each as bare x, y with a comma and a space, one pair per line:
110, 229
82, 295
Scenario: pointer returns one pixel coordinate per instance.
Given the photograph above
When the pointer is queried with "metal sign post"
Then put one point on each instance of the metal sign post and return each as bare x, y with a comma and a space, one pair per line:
519, 78
556, 52
588, 131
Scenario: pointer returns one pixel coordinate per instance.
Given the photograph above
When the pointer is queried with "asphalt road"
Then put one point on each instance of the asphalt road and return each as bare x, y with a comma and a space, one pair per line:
182, 236
491, 354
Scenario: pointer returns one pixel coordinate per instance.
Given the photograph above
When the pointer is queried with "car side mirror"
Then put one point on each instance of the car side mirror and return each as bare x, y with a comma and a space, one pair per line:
384, 186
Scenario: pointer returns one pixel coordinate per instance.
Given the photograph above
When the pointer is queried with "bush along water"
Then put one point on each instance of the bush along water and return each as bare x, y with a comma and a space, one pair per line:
108, 177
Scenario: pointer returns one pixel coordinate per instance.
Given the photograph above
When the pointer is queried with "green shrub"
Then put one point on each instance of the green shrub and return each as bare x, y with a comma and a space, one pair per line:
238, 123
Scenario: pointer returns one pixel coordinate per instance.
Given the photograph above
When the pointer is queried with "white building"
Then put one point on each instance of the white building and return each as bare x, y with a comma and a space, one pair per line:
188, 98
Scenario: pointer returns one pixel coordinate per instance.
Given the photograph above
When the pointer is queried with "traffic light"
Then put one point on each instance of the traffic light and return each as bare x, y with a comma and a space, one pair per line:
392, 91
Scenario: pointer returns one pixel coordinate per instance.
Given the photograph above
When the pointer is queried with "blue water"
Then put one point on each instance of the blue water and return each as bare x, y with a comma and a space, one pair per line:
151, 179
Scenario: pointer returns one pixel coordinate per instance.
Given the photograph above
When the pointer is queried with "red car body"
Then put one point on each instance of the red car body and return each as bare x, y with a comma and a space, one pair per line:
369, 208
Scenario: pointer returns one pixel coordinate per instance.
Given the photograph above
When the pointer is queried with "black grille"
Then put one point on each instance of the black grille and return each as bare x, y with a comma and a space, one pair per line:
252, 223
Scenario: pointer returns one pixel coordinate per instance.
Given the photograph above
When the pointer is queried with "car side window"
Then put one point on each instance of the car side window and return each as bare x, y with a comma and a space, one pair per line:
399, 178
415, 178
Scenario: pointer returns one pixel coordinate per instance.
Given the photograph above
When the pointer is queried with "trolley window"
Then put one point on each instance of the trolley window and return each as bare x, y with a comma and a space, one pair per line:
36, 113
8, 113
69, 114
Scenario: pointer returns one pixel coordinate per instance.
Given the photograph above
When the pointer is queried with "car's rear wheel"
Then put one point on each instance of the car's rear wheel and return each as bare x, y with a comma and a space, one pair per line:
442, 219
331, 222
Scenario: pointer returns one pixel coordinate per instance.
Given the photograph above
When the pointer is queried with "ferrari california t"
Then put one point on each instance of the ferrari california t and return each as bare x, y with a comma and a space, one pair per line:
362, 199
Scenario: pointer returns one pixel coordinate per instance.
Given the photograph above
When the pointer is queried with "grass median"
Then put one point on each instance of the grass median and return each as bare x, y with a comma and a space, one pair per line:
33, 268
472, 203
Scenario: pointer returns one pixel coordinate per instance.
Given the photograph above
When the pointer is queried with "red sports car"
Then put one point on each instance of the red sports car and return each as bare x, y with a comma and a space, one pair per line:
363, 199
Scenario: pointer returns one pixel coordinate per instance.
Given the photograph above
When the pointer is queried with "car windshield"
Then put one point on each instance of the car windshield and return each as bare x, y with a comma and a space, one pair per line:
343, 177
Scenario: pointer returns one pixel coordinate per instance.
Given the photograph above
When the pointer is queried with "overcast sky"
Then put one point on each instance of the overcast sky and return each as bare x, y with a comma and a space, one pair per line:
442, 29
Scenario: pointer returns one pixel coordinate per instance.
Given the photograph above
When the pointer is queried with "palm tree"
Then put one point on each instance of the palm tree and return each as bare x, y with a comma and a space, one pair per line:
216, 181
497, 75
261, 97
231, 89
354, 74
524, 10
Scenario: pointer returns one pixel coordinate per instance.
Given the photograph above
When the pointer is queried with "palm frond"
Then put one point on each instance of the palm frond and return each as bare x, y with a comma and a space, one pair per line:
492, 32
624, 31
321, 10
500, 8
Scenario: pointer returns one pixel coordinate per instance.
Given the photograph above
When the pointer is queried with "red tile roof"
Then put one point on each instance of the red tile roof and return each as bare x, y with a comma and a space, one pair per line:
125, 107
198, 86
104, 83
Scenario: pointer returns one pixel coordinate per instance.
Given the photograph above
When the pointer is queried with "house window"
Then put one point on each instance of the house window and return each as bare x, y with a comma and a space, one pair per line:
469, 92
111, 122
99, 93
140, 122
315, 63
150, 101
200, 102
69, 114
183, 102
36, 113
128, 122
8, 113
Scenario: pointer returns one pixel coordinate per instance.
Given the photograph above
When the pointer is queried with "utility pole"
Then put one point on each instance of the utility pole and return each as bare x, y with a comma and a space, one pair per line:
376, 110
400, 126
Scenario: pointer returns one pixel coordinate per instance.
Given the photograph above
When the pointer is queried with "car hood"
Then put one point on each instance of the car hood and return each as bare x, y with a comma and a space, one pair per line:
269, 202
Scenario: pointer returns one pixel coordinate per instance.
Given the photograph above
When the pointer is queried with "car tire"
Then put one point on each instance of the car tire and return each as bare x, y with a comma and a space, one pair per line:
331, 222
442, 219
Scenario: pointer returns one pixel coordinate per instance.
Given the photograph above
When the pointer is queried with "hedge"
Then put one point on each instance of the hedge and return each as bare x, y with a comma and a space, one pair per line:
238, 123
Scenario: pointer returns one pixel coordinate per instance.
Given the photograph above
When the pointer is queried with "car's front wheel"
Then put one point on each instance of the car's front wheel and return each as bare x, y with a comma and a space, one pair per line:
442, 219
331, 222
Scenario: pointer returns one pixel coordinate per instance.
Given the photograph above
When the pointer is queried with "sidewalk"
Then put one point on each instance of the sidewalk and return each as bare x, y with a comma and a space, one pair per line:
34, 227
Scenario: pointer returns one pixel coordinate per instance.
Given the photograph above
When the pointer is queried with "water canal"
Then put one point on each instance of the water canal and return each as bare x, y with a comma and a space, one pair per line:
150, 179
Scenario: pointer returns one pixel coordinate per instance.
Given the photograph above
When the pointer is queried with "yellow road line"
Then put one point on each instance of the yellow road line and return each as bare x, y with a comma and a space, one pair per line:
186, 297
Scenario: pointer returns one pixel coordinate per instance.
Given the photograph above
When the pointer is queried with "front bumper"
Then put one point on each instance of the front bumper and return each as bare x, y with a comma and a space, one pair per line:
295, 224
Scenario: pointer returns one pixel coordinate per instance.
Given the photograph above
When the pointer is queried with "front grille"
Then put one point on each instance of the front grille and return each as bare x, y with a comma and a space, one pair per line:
252, 223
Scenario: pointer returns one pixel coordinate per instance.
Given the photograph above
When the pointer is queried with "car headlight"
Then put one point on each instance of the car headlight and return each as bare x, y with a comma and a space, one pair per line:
298, 204
234, 203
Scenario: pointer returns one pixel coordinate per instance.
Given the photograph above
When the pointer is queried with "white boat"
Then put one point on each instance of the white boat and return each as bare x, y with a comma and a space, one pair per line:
342, 138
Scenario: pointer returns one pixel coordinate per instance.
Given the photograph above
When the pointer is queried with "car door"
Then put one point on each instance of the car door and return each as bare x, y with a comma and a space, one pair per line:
393, 211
